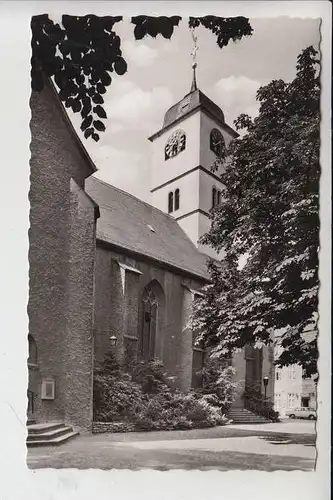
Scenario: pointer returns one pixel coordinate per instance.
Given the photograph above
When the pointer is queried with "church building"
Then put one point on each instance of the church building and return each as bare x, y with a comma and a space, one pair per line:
110, 271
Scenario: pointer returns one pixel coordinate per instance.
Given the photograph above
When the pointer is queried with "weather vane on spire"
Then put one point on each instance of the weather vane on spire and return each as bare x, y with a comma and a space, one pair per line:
194, 57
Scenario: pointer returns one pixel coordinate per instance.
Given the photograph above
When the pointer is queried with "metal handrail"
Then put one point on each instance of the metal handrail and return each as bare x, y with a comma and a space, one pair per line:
258, 405
31, 401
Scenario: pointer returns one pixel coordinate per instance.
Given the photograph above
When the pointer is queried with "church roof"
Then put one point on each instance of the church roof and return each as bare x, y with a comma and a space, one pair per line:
133, 225
190, 103
193, 100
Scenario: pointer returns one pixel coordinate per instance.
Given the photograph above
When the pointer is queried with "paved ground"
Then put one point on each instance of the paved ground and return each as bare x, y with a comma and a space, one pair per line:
282, 446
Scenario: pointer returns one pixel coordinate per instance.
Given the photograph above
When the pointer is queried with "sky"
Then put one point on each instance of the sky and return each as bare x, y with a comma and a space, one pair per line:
159, 74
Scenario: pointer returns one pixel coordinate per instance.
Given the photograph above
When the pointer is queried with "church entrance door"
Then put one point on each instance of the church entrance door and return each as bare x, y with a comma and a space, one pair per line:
253, 359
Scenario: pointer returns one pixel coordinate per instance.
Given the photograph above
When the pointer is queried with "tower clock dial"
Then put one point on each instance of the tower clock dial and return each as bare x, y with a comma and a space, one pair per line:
175, 144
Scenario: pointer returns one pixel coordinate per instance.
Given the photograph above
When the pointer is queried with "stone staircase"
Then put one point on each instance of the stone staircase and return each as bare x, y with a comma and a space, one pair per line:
243, 416
49, 434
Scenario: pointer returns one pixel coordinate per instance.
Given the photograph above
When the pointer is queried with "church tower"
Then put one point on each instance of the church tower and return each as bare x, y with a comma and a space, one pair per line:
193, 135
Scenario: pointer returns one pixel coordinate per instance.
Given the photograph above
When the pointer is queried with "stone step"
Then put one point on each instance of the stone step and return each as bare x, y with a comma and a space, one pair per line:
260, 417
56, 441
243, 416
49, 434
44, 427
246, 416
249, 421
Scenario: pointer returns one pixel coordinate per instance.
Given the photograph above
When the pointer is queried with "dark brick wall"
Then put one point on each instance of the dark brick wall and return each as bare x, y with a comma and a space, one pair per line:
117, 313
239, 364
61, 233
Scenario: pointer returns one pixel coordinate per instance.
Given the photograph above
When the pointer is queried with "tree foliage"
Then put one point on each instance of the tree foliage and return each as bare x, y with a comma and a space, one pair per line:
224, 28
83, 53
270, 213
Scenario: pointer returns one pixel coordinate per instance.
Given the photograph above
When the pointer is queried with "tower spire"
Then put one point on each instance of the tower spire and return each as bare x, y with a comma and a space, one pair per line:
194, 60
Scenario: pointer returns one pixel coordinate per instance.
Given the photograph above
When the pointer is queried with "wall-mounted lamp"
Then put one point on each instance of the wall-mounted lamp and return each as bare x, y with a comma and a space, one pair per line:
113, 340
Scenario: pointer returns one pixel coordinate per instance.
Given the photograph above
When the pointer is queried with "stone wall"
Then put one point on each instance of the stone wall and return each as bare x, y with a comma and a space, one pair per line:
78, 340
61, 255
105, 427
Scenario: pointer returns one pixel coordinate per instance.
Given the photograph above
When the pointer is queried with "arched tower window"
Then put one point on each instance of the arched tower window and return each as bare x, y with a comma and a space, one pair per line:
175, 144
216, 197
213, 197
217, 144
173, 201
170, 202
177, 199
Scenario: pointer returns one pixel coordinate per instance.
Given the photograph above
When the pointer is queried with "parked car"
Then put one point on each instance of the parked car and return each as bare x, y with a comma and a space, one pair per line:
309, 413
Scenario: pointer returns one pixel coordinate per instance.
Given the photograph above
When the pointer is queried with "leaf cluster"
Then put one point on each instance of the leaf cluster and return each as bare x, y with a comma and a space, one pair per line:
82, 54
225, 29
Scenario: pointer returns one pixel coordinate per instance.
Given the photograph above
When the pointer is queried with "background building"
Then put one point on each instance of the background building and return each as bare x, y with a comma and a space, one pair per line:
291, 389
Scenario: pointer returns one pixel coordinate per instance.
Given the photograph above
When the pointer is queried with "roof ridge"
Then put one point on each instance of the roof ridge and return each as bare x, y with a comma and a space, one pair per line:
102, 237
169, 217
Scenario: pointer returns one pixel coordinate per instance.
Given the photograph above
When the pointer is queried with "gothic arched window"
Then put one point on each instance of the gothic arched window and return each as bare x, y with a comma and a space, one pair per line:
170, 202
177, 199
175, 144
151, 311
217, 144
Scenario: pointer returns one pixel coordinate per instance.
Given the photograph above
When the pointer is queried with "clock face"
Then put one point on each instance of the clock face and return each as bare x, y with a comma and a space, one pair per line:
175, 144
217, 144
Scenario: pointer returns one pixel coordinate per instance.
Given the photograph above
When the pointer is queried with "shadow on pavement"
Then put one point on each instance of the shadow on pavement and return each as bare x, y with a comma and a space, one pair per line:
165, 460
276, 439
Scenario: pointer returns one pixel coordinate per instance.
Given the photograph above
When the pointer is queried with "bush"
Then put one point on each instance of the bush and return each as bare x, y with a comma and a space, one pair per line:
116, 398
150, 375
218, 385
146, 399
175, 410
